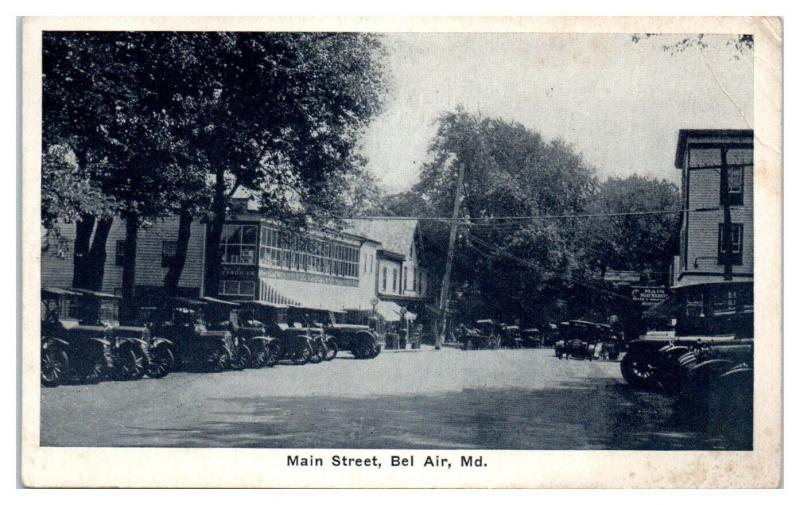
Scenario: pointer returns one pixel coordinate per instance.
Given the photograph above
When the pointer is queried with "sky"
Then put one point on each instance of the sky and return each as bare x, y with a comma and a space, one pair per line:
618, 103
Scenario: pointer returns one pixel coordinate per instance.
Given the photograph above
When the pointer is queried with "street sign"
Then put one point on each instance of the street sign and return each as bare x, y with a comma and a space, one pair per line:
648, 296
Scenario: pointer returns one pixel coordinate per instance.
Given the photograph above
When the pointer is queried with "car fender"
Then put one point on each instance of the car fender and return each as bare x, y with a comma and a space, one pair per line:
102, 341
55, 341
157, 341
712, 366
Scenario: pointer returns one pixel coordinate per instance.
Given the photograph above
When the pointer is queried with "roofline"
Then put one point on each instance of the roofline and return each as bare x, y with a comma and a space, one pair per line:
684, 134
391, 255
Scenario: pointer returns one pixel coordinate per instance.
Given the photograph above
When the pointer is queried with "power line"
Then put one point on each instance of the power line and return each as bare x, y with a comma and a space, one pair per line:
478, 221
498, 250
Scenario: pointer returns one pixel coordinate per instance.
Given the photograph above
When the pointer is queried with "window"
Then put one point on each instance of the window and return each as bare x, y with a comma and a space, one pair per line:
724, 302
383, 288
238, 245
735, 186
405, 278
694, 304
119, 254
240, 288
169, 250
292, 251
394, 280
414, 280
735, 231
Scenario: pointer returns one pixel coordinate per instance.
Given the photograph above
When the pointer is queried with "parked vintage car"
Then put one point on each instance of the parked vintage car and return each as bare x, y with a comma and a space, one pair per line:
577, 340
223, 315
510, 336
358, 339
531, 338
292, 341
84, 324
482, 336
321, 342
182, 322
135, 351
263, 346
72, 350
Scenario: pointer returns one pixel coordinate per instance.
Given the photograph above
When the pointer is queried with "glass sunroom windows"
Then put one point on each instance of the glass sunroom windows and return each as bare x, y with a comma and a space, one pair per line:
238, 244
286, 250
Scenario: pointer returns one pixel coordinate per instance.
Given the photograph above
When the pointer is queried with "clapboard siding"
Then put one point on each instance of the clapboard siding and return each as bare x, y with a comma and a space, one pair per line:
57, 270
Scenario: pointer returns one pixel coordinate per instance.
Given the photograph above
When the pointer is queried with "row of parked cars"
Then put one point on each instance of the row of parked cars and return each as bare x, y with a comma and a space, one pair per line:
490, 334
83, 341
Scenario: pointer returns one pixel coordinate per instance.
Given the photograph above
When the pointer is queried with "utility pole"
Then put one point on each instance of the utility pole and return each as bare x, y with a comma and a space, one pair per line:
727, 255
450, 253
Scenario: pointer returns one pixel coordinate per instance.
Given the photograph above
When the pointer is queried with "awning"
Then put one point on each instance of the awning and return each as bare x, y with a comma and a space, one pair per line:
665, 309
390, 311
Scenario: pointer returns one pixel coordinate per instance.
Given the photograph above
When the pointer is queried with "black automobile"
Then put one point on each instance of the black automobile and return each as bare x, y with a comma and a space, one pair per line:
263, 347
510, 336
482, 336
135, 351
358, 339
224, 315
72, 350
531, 338
291, 341
182, 322
577, 340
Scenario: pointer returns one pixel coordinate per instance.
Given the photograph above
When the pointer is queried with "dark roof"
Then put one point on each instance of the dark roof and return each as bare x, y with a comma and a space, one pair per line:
383, 253
683, 137
395, 235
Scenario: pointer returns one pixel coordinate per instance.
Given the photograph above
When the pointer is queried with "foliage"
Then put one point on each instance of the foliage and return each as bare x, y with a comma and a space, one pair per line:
643, 242
517, 265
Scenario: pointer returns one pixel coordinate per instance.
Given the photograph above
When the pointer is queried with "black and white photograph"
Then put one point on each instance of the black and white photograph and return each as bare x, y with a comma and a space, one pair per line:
404, 243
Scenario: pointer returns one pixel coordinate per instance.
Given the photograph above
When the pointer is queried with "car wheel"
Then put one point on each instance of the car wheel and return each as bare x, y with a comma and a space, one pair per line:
260, 354
320, 350
638, 371
274, 354
130, 363
302, 354
162, 361
241, 357
333, 350
219, 360
55, 364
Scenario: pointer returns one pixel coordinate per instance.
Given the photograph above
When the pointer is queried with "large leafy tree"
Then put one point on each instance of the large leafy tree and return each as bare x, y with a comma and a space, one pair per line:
636, 224
165, 123
515, 266
278, 114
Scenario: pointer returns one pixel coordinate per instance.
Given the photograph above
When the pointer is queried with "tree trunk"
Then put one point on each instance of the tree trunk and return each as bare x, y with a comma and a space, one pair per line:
214, 236
127, 312
96, 258
80, 258
173, 277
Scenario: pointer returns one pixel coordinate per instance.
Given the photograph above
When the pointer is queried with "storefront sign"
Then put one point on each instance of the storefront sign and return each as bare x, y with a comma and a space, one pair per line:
649, 295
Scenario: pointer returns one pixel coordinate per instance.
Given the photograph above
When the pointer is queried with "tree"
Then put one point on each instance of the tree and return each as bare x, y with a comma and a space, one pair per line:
509, 171
642, 238
277, 114
166, 123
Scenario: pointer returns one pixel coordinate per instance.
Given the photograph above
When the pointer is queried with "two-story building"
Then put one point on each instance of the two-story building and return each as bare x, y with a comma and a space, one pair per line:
713, 274
402, 280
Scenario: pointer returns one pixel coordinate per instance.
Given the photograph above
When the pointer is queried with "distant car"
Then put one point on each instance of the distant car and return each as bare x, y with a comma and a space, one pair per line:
510, 336
482, 336
358, 339
577, 340
531, 338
